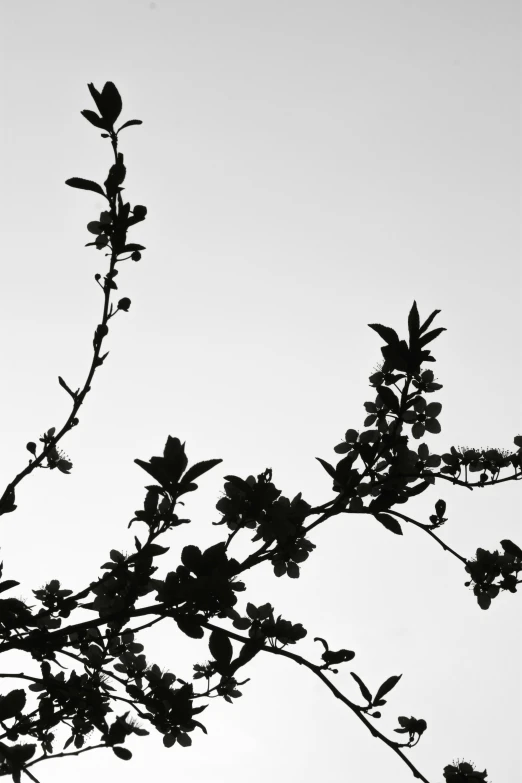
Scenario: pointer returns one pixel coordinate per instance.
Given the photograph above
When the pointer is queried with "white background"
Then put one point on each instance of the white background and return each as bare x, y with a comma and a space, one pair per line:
309, 168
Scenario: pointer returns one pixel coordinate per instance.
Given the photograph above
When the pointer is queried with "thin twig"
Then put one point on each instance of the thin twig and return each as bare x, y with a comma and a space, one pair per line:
429, 532
337, 693
45, 757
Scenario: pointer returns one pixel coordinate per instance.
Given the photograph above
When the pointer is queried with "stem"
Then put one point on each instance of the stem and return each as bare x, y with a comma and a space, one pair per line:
31, 776
62, 755
429, 532
86, 387
467, 484
22, 677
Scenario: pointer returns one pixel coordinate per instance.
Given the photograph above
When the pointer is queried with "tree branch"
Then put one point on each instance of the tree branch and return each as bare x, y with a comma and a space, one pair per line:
79, 398
429, 532
337, 693
45, 757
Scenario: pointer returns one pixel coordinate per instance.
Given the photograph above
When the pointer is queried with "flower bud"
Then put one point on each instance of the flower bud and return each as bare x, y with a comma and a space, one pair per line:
139, 211
440, 507
136, 255
124, 304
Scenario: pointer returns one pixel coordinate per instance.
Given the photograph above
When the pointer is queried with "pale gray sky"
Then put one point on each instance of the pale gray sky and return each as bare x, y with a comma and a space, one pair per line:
309, 168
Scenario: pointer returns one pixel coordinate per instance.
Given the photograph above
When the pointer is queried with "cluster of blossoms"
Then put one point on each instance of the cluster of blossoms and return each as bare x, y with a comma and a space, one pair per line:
490, 566
490, 460
463, 772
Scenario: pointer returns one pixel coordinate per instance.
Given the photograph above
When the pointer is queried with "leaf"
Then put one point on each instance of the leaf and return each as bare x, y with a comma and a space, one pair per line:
132, 246
7, 585
155, 472
508, 546
94, 119
111, 104
389, 335
326, 465
190, 626
430, 336
364, 690
417, 489
220, 647
12, 704
387, 685
128, 124
108, 102
242, 623
155, 549
239, 483
248, 651
413, 323
96, 96
64, 386
85, 184
390, 523
428, 321
122, 753
198, 469
22, 753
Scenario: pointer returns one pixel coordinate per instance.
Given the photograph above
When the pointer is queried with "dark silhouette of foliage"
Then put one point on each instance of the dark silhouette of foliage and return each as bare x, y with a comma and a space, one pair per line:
377, 473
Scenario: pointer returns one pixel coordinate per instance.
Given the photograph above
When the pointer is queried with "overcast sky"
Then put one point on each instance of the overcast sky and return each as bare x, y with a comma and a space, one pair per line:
309, 168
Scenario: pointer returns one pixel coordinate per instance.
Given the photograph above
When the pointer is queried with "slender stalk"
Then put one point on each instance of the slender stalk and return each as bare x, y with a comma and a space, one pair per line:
427, 530
337, 693
71, 420
46, 757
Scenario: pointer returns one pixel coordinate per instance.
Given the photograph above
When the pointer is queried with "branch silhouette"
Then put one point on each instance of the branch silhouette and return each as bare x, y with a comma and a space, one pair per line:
111, 232
377, 471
